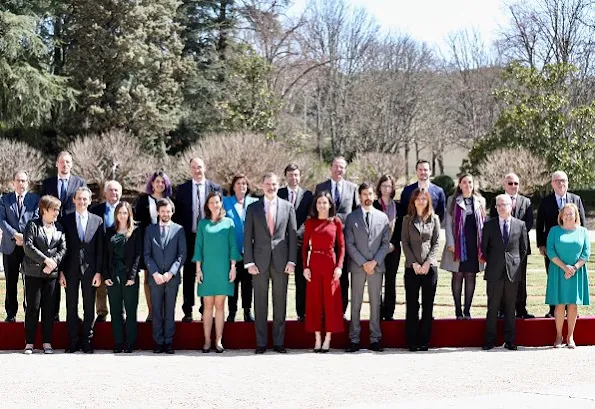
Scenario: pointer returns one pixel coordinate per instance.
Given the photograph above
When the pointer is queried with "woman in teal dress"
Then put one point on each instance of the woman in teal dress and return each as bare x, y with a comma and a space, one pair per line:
215, 254
568, 248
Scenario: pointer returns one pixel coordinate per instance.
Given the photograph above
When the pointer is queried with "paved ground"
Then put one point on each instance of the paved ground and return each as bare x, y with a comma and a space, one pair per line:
441, 378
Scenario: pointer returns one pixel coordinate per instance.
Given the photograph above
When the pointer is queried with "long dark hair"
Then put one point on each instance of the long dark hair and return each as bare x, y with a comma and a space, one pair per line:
412, 210
332, 212
208, 214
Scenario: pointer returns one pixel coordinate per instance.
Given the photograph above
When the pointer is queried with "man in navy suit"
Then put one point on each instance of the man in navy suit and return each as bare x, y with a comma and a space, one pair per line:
190, 201
301, 200
423, 171
16, 209
112, 191
63, 186
164, 254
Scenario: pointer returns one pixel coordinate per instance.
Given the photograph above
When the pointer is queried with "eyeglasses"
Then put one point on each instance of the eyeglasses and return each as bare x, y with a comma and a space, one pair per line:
386, 186
560, 180
513, 183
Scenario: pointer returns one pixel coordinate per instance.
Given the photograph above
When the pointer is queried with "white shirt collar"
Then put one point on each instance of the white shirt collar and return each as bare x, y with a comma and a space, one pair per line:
559, 197
83, 215
503, 220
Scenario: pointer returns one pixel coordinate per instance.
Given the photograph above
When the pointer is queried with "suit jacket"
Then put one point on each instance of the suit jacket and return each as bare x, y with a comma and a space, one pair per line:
37, 249
133, 253
50, 187
349, 197
83, 257
523, 210
99, 210
504, 261
184, 210
303, 205
436, 193
263, 249
395, 237
366, 244
168, 256
547, 215
229, 204
11, 221
420, 240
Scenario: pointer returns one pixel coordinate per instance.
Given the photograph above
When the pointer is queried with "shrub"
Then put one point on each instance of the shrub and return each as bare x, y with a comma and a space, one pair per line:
531, 170
446, 183
18, 155
112, 155
370, 166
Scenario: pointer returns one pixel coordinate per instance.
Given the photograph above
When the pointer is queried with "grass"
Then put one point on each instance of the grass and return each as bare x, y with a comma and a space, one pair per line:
536, 285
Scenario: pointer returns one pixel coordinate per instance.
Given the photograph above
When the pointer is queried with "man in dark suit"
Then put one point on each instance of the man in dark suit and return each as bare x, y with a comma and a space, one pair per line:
547, 215
270, 253
63, 187
164, 253
112, 191
522, 210
301, 200
82, 267
16, 209
504, 246
423, 171
190, 200
346, 199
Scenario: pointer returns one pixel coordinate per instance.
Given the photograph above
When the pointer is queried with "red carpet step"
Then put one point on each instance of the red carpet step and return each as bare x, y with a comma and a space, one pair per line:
445, 333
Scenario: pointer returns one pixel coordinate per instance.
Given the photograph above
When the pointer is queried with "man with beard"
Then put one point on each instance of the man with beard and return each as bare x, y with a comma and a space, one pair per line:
423, 172
367, 239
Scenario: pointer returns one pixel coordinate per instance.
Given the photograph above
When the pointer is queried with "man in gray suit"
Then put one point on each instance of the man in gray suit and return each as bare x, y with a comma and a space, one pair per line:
165, 252
504, 246
270, 253
346, 199
367, 239
16, 209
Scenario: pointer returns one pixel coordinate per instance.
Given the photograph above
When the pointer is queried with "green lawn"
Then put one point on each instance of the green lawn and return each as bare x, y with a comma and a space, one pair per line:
536, 283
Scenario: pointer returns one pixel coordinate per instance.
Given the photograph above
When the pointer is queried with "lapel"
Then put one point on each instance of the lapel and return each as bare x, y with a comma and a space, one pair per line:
71, 187
236, 215
12, 202
363, 220
418, 224
346, 196
277, 221
300, 196
460, 201
55, 237
90, 230
263, 216
511, 231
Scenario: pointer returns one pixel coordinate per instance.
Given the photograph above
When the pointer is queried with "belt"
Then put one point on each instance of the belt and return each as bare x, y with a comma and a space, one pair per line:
325, 252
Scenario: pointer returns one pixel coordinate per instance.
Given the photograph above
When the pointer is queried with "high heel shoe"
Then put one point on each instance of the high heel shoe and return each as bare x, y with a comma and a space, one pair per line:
206, 349
570, 344
326, 347
559, 343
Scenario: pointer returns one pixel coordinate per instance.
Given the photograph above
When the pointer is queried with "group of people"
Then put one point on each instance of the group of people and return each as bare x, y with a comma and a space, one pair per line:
338, 237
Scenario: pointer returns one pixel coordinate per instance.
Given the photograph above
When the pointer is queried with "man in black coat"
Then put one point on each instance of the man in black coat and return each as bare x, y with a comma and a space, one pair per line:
301, 199
504, 246
547, 215
82, 268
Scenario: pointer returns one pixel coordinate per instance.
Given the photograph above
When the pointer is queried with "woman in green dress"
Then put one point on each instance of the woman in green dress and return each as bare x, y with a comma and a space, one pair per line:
568, 248
123, 254
215, 254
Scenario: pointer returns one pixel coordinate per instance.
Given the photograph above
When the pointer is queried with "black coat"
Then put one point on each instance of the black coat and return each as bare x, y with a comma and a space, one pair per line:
133, 254
84, 257
547, 215
504, 261
37, 249
50, 187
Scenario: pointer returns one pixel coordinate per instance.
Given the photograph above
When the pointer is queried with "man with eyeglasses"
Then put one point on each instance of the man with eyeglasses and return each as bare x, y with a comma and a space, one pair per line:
523, 210
547, 215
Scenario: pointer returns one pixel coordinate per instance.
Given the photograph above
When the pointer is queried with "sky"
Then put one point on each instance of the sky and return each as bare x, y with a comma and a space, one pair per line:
432, 20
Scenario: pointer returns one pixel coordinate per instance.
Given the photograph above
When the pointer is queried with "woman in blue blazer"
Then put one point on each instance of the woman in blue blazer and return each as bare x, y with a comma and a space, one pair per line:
235, 208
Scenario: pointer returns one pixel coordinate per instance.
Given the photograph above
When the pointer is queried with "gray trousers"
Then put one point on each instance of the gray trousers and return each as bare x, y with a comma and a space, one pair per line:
163, 302
260, 282
358, 281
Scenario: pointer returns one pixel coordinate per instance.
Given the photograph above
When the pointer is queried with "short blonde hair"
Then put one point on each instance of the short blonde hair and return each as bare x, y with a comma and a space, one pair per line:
577, 216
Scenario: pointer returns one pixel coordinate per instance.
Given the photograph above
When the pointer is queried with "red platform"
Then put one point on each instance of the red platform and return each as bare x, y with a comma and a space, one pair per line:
240, 335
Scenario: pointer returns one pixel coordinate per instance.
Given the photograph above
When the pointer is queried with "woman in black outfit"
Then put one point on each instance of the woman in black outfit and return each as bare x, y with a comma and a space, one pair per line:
385, 191
123, 253
145, 213
44, 246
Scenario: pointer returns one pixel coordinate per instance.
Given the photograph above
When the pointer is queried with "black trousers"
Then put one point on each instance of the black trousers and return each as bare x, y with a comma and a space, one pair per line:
300, 285
39, 293
496, 290
521, 296
419, 332
189, 277
57, 300
12, 267
389, 301
245, 279
73, 283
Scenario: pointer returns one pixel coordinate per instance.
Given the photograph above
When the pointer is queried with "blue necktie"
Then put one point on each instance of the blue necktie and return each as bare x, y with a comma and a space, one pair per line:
109, 216
81, 229
337, 196
505, 233
63, 190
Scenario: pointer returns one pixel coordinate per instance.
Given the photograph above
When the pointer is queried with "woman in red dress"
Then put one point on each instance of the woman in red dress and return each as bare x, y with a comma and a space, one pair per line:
322, 270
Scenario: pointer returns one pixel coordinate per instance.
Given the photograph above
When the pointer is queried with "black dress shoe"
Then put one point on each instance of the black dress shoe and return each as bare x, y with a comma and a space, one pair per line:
549, 315
325, 350
187, 318
526, 316
117, 348
260, 350
248, 315
510, 346
56, 318
158, 349
353, 347
280, 349
168, 349
423, 348
100, 318
487, 347
72, 349
389, 319
88, 349
219, 349
149, 319
376, 347
231, 317
412, 349
301, 318
129, 348
10, 318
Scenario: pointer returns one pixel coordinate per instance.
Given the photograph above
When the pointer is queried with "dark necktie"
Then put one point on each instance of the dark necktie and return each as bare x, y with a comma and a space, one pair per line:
368, 220
20, 205
163, 233
337, 196
513, 205
63, 190
505, 233
198, 212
